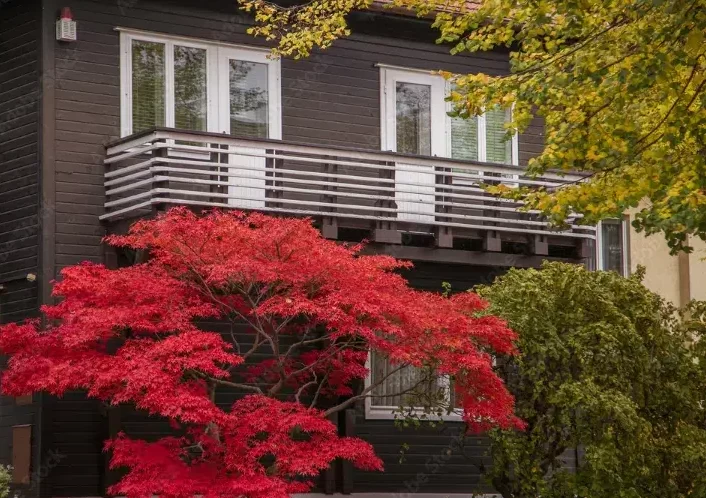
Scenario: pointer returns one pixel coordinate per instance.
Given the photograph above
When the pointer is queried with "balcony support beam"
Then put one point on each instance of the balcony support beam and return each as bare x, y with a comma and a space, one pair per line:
584, 249
460, 256
492, 242
540, 246
385, 236
157, 154
444, 237
329, 228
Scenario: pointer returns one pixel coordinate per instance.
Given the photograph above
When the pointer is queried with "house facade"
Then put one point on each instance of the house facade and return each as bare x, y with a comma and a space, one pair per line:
162, 103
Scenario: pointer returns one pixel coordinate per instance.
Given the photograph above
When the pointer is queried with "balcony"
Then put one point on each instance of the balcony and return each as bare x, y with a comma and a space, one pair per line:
343, 190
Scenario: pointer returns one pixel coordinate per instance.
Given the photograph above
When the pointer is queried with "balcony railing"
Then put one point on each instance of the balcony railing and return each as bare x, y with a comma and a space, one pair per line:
340, 187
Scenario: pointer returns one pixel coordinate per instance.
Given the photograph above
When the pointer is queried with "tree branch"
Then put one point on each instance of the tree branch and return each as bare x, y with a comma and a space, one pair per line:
573, 50
235, 385
363, 393
676, 101
305, 386
318, 391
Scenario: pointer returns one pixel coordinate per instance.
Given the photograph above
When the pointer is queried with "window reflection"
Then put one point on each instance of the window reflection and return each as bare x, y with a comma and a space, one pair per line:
148, 96
248, 99
413, 104
612, 246
190, 104
399, 387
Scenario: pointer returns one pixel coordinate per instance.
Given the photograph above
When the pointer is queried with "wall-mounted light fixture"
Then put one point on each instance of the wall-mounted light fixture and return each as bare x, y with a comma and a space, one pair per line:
66, 26
30, 277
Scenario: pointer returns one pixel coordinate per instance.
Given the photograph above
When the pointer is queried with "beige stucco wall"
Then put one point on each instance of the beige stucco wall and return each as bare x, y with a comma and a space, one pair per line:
697, 270
663, 269
662, 274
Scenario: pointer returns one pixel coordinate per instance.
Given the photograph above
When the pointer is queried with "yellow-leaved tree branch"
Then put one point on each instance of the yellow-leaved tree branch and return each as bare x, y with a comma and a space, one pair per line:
620, 85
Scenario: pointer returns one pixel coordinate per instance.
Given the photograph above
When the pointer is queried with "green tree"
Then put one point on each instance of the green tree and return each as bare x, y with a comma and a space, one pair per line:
606, 372
5, 480
619, 84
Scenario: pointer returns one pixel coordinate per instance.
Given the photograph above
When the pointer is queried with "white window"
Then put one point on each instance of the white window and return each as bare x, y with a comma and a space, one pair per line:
612, 246
483, 138
398, 392
198, 85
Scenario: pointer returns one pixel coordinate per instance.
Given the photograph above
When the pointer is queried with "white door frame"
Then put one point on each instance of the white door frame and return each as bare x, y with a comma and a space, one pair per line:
247, 186
415, 185
389, 79
274, 90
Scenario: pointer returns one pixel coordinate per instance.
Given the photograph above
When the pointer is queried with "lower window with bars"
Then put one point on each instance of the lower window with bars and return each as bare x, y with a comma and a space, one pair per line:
409, 392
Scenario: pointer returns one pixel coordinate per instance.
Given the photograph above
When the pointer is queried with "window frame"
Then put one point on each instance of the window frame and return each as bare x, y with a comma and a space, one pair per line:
389, 77
274, 85
215, 52
377, 412
624, 231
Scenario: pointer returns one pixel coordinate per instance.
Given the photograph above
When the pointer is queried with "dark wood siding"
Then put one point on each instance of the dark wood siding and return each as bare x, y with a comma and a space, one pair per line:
75, 429
19, 200
431, 276
436, 460
19, 169
531, 142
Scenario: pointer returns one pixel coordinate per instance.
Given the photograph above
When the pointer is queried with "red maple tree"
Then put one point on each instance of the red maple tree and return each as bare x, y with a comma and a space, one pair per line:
312, 311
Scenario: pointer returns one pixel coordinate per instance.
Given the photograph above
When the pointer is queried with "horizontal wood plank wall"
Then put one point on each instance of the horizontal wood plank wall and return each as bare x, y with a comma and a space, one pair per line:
77, 430
431, 276
531, 141
331, 98
19, 169
19, 204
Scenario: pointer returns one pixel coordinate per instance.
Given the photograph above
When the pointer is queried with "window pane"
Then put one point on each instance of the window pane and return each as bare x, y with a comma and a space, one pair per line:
612, 246
498, 150
148, 107
456, 401
248, 99
190, 88
464, 138
413, 104
592, 260
392, 390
